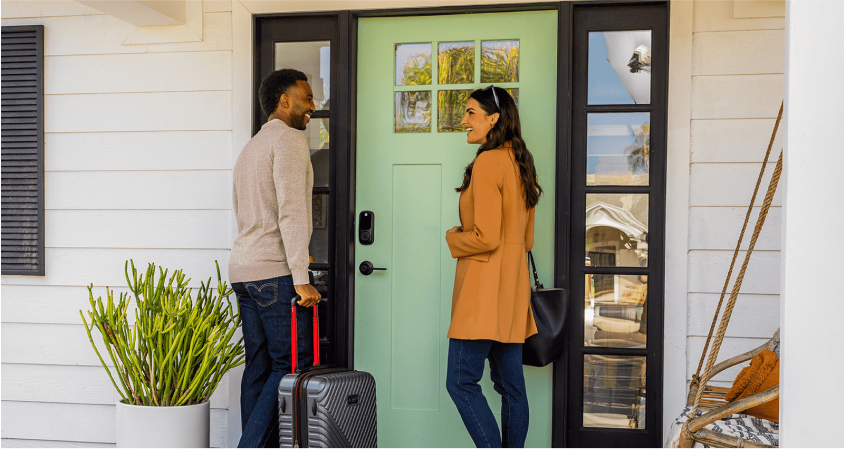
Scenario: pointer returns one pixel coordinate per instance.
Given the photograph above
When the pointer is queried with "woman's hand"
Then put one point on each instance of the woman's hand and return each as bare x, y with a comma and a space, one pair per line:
454, 229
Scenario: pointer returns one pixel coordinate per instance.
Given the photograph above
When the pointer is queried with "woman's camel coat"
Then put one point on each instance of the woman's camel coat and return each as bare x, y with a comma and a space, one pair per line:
491, 298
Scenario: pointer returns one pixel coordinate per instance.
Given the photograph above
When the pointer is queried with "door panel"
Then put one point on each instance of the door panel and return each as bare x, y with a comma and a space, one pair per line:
417, 207
407, 178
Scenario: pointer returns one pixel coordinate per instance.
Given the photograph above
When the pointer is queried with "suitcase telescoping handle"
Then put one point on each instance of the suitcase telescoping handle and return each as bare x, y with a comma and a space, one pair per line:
294, 334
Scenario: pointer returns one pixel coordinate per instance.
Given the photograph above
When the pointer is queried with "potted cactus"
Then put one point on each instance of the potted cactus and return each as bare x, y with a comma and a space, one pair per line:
167, 363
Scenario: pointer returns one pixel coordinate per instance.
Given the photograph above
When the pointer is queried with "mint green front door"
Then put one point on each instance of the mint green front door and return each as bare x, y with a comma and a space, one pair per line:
414, 75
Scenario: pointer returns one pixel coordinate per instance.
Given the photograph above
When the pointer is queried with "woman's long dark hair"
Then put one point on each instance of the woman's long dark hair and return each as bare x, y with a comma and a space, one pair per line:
508, 130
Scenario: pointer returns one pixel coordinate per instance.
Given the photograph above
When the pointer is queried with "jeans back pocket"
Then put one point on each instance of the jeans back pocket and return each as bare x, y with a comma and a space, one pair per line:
265, 293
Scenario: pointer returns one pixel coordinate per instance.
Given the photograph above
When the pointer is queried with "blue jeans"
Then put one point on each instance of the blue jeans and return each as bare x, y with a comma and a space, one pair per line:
466, 367
265, 311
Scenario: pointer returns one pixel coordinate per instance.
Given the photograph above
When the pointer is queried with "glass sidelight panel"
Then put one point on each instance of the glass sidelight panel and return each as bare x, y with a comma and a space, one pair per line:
321, 284
616, 230
619, 67
615, 310
318, 142
618, 148
413, 112
500, 61
312, 58
318, 247
413, 64
614, 391
456, 62
451, 106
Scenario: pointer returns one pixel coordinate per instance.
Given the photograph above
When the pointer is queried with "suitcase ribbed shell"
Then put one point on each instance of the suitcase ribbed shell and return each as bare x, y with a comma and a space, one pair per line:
340, 408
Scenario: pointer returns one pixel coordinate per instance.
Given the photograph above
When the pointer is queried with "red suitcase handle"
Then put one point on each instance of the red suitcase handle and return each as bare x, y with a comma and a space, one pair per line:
295, 335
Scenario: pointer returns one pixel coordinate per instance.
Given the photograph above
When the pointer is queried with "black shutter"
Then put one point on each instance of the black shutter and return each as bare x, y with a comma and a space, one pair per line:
23, 150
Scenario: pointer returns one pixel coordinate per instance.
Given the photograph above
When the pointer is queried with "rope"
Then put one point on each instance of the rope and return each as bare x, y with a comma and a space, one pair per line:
725, 320
738, 245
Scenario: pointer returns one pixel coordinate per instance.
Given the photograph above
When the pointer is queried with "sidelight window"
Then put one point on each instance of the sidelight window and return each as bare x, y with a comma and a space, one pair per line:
618, 153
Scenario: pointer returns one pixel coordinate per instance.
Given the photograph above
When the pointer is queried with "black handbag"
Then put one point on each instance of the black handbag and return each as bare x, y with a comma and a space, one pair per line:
550, 309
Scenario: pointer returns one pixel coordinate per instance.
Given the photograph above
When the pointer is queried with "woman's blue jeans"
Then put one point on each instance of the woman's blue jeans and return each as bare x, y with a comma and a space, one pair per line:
465, 369
265, 312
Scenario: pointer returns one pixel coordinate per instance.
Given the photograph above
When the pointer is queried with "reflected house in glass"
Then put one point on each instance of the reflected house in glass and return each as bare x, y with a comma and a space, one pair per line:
615, 304
615, 316
620, 67
616, 230
629, 55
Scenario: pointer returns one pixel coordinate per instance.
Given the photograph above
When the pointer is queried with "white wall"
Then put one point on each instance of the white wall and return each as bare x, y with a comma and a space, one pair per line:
736, 91
138, 165
812, 299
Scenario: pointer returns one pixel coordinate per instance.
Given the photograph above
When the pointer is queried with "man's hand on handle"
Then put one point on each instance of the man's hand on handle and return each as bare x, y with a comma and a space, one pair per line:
309, 294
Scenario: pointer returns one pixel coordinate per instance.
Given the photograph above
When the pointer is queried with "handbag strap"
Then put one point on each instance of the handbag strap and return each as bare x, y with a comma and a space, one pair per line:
533, 267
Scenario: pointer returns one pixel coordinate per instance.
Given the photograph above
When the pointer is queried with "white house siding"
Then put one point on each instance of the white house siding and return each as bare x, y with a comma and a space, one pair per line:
736, 90
138, 166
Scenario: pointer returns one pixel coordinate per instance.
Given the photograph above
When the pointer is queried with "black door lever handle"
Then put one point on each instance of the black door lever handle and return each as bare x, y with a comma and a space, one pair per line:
366, 268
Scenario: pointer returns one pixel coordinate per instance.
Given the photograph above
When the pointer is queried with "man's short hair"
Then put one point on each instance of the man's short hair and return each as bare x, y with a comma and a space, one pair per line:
274, 85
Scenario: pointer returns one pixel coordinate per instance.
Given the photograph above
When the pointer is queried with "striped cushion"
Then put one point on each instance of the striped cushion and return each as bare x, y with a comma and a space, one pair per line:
739, 425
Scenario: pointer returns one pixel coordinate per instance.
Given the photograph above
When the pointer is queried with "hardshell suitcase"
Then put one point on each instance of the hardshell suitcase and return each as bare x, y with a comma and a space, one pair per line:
324, 406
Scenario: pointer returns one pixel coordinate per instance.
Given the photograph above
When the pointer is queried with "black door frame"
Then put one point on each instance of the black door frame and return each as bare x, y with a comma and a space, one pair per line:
343, 125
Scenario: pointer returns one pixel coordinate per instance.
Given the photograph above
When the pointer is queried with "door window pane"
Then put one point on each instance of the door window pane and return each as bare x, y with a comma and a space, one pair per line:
318, 142
318, 247
613, 391
499, 61
456, 62
514, 92
321, 285
451, 106
616, 230
618, 148
413, 112
413, 64
619, 67
312, 58
615, 311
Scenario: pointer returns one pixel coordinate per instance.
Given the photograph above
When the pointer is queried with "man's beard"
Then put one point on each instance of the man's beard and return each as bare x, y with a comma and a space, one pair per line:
297, 119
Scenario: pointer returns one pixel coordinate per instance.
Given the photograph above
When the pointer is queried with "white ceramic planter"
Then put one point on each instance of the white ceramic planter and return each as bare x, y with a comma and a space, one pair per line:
149, 426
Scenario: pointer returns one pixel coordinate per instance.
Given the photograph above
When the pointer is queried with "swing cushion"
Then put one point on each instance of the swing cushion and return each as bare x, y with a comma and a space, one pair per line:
762, 374
739, 425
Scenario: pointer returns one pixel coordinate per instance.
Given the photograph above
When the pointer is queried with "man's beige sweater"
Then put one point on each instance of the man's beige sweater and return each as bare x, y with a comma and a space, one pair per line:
273, 182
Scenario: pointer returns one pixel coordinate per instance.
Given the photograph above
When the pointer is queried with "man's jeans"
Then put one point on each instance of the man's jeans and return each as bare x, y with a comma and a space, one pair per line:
466, 367
265, 311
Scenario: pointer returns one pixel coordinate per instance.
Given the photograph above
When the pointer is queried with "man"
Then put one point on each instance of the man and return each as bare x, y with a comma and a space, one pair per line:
273, 179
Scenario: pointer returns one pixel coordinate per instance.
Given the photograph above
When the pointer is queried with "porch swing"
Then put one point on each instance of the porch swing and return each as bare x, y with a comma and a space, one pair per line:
710, 418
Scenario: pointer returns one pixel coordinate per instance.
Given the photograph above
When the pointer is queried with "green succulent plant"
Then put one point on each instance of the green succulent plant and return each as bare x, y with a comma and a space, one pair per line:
178, 349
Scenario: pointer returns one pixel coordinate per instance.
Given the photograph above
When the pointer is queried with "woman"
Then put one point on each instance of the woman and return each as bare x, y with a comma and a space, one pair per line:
490, 312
